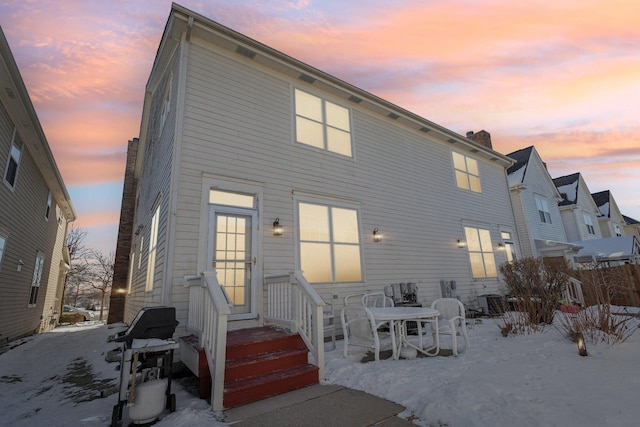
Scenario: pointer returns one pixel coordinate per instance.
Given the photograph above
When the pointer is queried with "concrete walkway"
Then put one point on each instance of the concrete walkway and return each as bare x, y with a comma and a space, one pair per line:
318, 406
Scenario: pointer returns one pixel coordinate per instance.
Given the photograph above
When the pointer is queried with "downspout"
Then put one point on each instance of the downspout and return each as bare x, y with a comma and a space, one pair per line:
175, 163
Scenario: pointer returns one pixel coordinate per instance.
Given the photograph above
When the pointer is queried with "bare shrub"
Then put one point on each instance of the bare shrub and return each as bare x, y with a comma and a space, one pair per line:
535, 287
598, 325
517, 323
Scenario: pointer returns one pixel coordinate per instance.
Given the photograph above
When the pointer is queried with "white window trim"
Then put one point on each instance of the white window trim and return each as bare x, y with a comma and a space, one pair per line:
542, 207
324, 124
153, 247
3, 246
330, 204
482, 252
36, 279
466, 172
6, 168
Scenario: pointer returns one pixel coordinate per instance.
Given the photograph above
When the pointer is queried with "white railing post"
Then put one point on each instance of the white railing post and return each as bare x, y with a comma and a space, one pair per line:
293, 303
208, 315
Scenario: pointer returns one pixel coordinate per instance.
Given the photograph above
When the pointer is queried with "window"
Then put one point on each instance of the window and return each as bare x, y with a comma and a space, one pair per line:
466, 170
329, 244
12, 166
543, 210
166, 104
153, 243
228, 198
616, 229
322, 124
47, 210
3, 242
483, 263
140, 253
509, 247
589, 224
35, 281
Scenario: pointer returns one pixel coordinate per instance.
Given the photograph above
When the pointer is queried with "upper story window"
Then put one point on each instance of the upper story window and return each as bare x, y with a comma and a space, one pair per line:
483, 263
589, 223
35, 281
329, 243
467, 174
322, 124
3, 242
616, 229
12, 166
153, 244
47, 210
543, 210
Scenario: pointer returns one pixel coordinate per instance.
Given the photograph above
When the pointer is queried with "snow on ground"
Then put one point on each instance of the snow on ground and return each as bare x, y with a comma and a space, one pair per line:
55, 379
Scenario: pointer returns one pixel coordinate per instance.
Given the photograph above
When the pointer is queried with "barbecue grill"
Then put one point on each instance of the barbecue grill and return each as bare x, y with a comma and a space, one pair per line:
146, 365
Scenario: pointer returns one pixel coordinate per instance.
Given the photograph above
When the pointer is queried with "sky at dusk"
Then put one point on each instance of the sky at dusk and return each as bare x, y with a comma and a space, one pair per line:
562, 75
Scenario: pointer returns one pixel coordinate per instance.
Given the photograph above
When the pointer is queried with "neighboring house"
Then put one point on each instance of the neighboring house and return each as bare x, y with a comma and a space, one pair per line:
535, 199
35, 210
631, 227
578, 210
609, 251
611, 221
251, 165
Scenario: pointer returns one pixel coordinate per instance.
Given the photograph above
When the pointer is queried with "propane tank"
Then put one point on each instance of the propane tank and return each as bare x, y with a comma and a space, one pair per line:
149, 401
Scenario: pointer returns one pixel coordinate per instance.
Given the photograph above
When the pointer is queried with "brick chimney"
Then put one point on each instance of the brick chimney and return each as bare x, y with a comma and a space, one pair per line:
125, 234
482, 137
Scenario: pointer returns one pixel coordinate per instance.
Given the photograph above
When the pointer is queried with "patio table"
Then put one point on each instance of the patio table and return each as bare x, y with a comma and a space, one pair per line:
398, 317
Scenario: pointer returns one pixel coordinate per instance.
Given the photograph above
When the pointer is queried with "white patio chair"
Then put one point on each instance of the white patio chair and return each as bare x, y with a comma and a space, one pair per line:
376, 299
360, 328
451, 321
329, 323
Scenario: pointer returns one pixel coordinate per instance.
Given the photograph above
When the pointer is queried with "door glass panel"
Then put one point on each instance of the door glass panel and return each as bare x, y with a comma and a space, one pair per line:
232, 258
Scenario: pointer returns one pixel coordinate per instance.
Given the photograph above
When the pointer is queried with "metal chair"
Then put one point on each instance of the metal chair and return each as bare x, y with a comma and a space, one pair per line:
451, 321
360, 328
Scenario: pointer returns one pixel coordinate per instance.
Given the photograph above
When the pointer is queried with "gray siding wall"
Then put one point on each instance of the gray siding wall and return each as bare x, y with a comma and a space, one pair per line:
538, 184
238, 127
156, 182
22, 220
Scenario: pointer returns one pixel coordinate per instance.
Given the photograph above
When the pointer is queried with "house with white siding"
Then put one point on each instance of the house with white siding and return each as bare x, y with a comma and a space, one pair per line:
578, 210
266, 187
611, 220
35, 210
535, 199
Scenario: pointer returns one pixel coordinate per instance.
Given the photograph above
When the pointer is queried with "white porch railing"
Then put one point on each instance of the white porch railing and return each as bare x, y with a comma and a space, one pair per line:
294, 304
573, 291
209, 309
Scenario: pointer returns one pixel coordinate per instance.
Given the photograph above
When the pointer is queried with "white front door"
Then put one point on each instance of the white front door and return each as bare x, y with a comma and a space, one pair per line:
232, 254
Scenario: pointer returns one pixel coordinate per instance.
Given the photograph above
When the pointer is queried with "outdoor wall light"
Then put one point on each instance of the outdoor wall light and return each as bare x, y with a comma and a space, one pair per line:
500, 246
376, 235
277, 228
20, 264
582, 347
460, 243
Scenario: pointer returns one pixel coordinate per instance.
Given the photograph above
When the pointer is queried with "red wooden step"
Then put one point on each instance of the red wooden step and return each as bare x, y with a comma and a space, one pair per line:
253, 341
255, 365
255, 388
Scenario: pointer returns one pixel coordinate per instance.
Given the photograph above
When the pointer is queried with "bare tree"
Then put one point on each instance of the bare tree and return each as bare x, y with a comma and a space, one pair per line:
102, 274
80, 273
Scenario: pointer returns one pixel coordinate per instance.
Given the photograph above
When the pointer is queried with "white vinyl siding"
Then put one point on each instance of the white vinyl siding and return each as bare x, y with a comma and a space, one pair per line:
322, 124
467, 172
